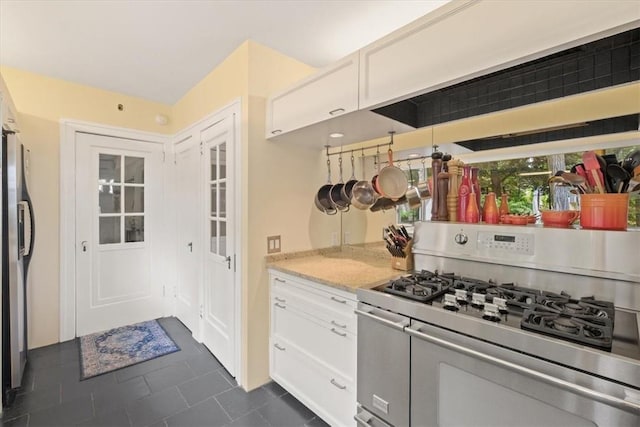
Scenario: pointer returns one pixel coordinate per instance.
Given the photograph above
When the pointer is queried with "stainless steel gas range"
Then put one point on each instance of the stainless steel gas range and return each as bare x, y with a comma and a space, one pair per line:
504, 325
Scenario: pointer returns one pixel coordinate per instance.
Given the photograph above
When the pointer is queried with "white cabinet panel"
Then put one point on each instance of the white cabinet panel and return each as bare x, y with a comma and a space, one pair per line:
465, 39
329, 93
326, 393
313, 345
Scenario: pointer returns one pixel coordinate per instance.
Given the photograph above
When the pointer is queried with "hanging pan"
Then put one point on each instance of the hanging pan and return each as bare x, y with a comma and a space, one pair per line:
363, 196
392, 181
335, 194
323, 198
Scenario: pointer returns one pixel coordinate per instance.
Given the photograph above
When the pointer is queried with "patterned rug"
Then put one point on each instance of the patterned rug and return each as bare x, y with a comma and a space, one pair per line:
117, 348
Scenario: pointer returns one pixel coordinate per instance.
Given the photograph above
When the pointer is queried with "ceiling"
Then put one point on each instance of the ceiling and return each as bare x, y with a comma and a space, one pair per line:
158, 50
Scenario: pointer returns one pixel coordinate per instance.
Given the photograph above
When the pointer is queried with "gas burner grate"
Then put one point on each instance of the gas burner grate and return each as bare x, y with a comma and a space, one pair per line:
588, 330
420, 286
589, 307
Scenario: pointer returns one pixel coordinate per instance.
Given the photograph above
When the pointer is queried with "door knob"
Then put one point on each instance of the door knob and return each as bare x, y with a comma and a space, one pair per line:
190, 244
84, 246
228, 259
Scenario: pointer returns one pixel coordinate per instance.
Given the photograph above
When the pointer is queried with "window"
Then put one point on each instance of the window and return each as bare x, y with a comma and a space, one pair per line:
525, 180
218, 186
120, 199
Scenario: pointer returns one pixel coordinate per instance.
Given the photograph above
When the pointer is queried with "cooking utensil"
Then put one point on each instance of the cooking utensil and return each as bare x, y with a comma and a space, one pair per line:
576, 180
382, 204
559, 219
323, 200
363, 196
632, 161
592, 166
412, 193
347, 189
606, 179
374, 180
392, 181
620, 177
423, 186
335, 194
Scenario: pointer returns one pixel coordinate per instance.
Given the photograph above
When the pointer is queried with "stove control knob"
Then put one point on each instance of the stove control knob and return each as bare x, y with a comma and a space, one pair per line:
478, 300
501, 303
461, 239
461, 296
491, 312
450, 303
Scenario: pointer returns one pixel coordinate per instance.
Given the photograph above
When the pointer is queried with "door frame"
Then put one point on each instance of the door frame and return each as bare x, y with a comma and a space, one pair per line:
68, 131
231, 111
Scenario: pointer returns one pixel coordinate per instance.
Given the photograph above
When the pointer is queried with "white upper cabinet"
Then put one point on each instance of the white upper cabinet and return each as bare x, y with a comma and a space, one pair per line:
328, 93
467, 39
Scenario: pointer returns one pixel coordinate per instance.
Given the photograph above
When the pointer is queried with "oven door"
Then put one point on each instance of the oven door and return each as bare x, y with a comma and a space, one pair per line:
461, 381
383, 367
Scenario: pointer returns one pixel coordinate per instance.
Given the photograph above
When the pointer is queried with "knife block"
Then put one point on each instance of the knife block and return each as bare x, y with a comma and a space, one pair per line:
404, 264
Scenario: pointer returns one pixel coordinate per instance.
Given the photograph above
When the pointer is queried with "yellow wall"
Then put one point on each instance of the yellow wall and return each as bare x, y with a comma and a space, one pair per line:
41, 102
250, 69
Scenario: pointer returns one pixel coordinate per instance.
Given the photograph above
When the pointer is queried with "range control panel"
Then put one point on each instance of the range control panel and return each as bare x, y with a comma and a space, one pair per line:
515, 243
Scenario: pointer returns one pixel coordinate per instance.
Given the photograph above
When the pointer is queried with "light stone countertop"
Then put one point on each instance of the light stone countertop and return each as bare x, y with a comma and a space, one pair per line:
347, 268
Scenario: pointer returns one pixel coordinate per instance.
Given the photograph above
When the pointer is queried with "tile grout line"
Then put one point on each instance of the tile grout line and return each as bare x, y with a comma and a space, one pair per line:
222, 407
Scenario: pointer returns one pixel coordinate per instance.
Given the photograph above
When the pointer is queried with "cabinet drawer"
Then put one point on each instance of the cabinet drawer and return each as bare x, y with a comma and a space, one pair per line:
325, 392
328, 345
343, 319
323, 297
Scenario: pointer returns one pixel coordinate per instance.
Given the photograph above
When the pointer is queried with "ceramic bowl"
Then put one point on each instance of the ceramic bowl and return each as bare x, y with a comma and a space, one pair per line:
559, 219
519, 220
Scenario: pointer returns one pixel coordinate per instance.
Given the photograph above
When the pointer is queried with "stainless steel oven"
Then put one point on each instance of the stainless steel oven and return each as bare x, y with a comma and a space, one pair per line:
472, 358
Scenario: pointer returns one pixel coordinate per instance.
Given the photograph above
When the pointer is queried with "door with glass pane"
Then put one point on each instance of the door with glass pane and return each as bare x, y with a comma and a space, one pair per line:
118, 197
218, 309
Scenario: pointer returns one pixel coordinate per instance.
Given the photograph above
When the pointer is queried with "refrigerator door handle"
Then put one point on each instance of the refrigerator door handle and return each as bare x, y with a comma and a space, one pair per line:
27, 227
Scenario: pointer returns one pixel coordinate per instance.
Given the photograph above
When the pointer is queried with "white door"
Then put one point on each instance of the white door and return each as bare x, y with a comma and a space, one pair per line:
118, 210
188, 234
219, 300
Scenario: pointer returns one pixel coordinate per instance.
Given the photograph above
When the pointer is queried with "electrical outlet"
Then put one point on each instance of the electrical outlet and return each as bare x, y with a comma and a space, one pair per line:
273, 244
334, 239
347, 237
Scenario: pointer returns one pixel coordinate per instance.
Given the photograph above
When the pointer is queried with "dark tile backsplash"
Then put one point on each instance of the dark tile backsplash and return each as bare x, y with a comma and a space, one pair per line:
596, 127
610, 61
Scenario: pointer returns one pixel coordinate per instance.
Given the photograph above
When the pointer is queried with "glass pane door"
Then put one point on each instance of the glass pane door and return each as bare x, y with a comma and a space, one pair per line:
120, 199
218, 211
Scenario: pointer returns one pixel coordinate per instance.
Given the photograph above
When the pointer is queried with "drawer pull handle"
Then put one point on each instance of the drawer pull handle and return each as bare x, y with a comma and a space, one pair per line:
276, 345
336, 111
277, 279
280, 306
276, 131
341, 301
337, 384
280, 299
334, 323
342, 334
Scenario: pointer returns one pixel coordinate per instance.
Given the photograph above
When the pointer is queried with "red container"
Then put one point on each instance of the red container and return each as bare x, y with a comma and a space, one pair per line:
604, 211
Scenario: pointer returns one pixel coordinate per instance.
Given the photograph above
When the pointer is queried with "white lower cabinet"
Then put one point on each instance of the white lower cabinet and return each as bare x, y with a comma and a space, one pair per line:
313, 346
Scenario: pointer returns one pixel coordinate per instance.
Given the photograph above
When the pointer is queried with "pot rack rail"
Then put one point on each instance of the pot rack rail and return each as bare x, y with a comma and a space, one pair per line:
376, 147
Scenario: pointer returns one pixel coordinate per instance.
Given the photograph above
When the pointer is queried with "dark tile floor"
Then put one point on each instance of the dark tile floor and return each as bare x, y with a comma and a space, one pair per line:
186, 388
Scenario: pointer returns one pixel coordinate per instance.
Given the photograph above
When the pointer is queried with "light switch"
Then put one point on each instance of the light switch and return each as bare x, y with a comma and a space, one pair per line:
273, 244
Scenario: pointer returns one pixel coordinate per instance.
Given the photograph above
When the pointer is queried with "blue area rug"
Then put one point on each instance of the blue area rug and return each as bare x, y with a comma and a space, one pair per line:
117, 348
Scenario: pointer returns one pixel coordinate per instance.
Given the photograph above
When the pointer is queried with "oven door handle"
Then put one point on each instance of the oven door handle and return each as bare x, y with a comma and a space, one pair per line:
399, 324
625, 405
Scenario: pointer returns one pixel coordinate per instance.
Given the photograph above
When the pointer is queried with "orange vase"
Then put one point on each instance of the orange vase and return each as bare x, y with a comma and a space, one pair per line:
473, 212
504, 205
490, 213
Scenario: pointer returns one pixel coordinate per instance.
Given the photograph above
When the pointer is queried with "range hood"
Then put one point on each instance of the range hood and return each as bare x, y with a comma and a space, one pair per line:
582, 72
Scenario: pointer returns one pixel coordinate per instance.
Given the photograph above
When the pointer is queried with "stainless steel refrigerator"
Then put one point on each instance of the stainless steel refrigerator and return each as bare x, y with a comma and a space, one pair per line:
17, 244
